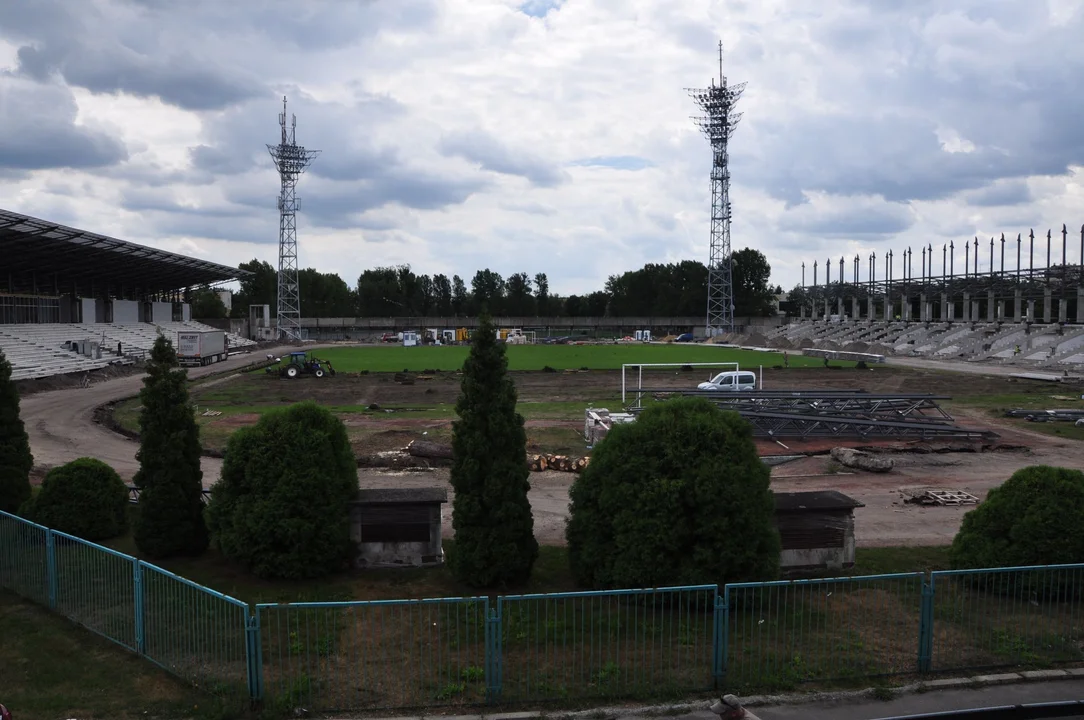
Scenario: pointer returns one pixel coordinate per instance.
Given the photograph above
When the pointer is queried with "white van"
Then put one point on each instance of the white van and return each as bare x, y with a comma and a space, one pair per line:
731, 380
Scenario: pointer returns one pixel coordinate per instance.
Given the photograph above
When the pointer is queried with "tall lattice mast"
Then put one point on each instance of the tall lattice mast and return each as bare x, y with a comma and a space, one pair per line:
718, 122
291, 160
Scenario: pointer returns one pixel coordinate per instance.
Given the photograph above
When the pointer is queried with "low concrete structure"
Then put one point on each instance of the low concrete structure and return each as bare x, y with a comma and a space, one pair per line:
817, 530
398, 527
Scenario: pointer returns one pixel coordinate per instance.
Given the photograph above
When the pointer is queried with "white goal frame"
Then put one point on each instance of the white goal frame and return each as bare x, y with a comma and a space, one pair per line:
640, 375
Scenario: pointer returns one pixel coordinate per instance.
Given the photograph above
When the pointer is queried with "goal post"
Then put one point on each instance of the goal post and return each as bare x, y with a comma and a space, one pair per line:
625, 390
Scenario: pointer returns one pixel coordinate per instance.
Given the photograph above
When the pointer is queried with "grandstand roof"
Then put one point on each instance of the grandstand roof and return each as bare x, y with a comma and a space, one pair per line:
40, 256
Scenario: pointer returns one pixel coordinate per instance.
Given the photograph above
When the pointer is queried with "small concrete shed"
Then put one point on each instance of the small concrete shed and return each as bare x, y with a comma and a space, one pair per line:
816, 529
398, 527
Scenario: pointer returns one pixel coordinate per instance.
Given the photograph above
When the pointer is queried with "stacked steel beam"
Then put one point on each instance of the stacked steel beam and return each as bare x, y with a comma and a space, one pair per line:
834, 413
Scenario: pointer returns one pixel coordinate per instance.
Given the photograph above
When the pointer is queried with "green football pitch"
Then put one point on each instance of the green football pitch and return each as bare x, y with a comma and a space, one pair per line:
393, 358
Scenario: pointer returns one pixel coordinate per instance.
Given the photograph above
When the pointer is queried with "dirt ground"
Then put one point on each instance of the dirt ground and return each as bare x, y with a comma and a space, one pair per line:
62, 428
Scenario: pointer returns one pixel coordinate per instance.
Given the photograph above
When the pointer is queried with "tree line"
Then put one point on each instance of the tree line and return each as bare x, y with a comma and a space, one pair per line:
675, 289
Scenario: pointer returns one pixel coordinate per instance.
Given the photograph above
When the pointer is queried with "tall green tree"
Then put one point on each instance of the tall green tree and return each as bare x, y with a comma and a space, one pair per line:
750, 273
461, 300
442, 295
542, 293
261, 288
518, 301
207, 305
487, 289
170, 521
15, 458
494, 529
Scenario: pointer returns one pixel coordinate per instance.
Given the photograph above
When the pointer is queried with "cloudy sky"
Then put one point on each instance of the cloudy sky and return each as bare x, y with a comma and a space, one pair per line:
542, 135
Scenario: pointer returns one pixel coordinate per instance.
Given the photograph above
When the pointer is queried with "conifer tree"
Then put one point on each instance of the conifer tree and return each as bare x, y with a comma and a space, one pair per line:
494, 530
170, 480
15, 458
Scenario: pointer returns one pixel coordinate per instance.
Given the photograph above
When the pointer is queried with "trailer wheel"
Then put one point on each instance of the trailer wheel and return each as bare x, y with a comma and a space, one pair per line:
293, 371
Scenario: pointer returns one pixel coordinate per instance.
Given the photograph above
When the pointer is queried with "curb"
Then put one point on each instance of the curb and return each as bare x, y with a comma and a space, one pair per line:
752, 701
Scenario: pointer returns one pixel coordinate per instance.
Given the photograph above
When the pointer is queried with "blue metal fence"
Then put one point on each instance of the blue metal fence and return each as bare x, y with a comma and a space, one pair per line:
191, 631
640, 644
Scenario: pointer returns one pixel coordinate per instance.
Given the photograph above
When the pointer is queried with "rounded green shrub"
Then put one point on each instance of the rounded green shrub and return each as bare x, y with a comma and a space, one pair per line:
281, 507
678, 497
85, 498
1035, 518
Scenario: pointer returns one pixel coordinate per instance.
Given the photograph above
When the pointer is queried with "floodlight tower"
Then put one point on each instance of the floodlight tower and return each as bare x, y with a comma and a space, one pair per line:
291, 160
717, 123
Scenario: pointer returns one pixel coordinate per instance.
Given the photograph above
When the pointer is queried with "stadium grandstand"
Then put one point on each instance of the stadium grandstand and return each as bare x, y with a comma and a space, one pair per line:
73, 301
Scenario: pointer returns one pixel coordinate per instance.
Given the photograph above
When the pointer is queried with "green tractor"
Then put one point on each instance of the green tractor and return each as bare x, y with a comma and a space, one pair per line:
297, 364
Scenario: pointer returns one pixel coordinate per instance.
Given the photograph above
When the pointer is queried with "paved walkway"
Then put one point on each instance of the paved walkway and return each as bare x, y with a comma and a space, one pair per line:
929, 702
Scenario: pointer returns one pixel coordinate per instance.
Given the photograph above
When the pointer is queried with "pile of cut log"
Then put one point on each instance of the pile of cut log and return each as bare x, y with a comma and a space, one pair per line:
537, 463
561, 463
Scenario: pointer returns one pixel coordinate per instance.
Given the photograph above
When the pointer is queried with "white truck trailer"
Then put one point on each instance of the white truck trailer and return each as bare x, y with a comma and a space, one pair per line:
201, 348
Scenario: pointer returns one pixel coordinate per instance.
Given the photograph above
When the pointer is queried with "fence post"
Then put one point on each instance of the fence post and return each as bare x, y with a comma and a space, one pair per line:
254, 654
137, 588
493, 651
50, 567
925, 627
720, 637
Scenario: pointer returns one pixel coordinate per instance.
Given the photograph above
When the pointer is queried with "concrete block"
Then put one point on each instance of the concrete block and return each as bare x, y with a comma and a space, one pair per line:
1075, 672
1043, 674
999, 679
948, 683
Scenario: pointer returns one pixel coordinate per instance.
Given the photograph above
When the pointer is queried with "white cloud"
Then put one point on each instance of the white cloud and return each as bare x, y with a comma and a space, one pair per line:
542, 135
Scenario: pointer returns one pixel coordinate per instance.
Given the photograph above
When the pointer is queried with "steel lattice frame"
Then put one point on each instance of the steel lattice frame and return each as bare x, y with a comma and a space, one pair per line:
811, 413
718, 123
291, 160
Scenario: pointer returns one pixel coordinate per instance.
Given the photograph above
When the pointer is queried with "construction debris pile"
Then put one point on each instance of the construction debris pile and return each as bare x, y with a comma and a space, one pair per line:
925, 496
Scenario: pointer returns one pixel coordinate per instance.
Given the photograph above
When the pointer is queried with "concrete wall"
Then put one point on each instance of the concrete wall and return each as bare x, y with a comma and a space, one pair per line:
161, 312
403, 554
125, 311
186, 312
397, 554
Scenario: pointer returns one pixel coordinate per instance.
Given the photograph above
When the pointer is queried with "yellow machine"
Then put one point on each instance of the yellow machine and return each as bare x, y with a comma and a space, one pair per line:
461, 335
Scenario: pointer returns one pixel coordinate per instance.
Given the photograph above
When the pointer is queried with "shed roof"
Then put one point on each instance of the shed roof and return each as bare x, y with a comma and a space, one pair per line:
815, 500
385, 496
41, 254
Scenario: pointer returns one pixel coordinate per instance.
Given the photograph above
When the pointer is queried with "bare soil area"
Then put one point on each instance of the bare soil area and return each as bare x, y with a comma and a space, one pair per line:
61, 426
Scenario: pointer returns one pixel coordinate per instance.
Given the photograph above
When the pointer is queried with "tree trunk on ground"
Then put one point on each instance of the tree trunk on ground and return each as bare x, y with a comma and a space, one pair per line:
427, 449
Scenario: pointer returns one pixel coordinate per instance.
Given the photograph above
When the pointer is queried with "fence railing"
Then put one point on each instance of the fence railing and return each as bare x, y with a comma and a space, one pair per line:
650, 643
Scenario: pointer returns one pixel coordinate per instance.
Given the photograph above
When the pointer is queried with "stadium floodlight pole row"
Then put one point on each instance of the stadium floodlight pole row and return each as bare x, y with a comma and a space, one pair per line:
717, 123
291, 160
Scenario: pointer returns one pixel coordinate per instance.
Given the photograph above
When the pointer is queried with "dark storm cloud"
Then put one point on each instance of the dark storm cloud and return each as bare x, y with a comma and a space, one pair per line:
895, 74
339, 204
327, 24
181, 79
899, 158
236, 140
868, 222
39, 131
1015, 192
115, 47
490, 154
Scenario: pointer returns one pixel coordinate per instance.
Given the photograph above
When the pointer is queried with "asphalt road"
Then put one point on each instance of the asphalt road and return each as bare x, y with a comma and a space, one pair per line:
62, 428
915, 703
